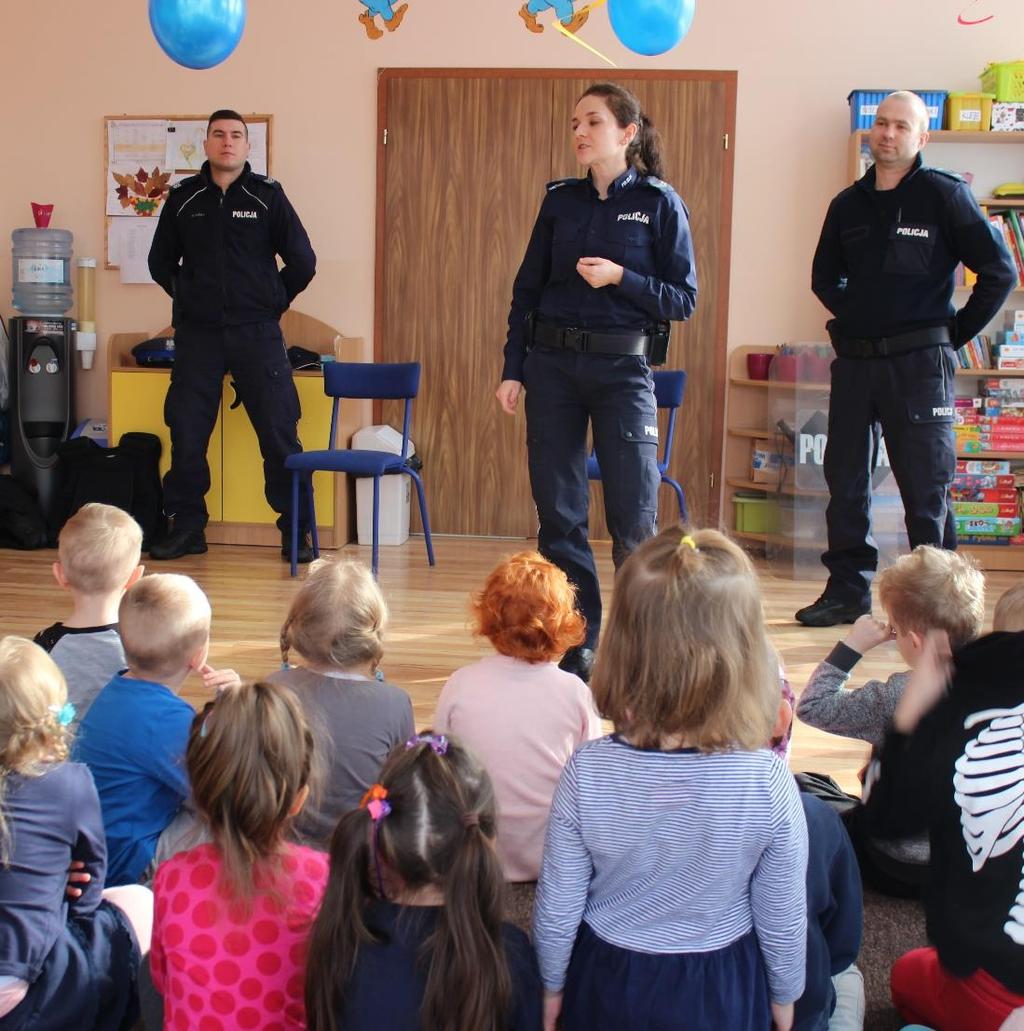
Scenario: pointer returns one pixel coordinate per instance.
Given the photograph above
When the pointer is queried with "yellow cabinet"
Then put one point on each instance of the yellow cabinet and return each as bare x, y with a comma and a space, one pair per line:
243, 464
239, 513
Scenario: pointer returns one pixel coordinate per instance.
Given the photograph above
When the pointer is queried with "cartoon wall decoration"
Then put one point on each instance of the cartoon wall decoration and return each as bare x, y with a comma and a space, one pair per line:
646, 27
390, 16
202, 34
565, 12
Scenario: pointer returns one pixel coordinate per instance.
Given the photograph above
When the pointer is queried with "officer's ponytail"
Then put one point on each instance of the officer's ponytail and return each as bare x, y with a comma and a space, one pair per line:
644, 152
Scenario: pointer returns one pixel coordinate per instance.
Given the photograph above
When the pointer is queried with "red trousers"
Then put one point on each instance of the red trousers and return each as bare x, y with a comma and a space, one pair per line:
925, 993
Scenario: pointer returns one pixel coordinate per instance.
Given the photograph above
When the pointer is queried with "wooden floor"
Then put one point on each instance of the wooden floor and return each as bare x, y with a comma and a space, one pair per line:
250, 589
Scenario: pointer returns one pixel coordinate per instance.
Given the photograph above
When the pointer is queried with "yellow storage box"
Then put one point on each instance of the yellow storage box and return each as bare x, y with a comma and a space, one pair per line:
969, 112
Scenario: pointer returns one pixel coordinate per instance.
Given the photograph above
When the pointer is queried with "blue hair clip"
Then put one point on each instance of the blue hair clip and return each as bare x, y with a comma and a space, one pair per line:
379, 676
63, 714
438, 742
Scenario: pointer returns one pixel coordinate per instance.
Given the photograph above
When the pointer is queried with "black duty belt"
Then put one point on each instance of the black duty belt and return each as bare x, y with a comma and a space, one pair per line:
546, 334
885, 347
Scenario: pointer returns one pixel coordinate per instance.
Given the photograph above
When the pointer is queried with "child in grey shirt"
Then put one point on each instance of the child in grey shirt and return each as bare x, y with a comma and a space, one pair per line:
336, 624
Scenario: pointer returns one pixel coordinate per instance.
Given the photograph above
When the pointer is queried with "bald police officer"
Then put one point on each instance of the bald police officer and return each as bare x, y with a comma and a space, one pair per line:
885, 267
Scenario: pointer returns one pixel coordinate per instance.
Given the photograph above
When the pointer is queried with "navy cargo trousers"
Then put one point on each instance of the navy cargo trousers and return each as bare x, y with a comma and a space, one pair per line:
910, 397
255, 356
566, 390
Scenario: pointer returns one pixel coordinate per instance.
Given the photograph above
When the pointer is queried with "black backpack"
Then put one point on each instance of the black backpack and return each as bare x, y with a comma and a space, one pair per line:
127, 476
21, 522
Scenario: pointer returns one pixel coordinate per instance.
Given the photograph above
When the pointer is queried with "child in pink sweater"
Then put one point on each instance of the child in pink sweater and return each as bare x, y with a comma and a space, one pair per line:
233, 917
517, 711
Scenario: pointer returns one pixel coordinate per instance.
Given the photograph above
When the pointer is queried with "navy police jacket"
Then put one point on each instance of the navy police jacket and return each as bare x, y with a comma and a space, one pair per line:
886, 259
215, 252
642, 225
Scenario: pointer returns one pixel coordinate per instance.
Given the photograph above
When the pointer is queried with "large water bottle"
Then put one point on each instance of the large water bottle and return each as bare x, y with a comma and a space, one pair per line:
41, 273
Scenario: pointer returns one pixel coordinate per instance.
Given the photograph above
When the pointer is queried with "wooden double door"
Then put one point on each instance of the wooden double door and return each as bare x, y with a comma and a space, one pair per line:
463, 157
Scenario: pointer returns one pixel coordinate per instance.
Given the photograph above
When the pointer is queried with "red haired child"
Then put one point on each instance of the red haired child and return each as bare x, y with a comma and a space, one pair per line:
517, 710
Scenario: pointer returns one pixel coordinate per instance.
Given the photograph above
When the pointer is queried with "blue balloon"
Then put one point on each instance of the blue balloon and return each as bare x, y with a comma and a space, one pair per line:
197, 33
650, 27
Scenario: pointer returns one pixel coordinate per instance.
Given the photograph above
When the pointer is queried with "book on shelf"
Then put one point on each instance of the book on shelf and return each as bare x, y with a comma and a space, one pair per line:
975, 354
1001, 222
984, 467
998, 495
977, 538
999, 526
982, 481
986, 508
1012, 218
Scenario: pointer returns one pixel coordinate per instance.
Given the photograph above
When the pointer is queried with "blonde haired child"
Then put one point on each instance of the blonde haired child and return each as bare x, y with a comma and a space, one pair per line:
98, 560
1009, 614
518, 712
672, 888
928, 589
134, 735
62, 964
410, 933
233, 916
336, 624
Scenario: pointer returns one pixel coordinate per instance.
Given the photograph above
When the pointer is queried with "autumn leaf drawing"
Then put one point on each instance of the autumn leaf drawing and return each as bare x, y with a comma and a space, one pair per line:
143, 191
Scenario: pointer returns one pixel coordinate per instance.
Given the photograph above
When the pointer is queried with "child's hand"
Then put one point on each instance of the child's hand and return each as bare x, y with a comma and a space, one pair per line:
218, 680
782, 1015
76, 876
552, 1009
867, 633
927, 683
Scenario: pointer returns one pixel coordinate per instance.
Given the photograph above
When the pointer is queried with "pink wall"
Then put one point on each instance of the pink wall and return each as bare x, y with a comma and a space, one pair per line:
309, 63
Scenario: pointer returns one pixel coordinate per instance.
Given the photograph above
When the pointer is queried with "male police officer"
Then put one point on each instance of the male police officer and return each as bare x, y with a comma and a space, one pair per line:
884, 267
215, 252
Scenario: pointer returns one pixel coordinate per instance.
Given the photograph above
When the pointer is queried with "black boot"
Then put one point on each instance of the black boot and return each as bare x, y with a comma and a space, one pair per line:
829, 611
304, 550
579, 660
177, 543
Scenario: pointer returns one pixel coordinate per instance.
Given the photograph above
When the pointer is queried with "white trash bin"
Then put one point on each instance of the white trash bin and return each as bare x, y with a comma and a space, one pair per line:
394, 490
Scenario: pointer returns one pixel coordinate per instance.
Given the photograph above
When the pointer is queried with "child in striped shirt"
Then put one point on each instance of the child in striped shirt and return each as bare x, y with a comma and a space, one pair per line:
672, 890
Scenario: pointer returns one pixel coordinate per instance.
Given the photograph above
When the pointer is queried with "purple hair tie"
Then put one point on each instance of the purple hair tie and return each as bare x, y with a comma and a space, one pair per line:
438, 742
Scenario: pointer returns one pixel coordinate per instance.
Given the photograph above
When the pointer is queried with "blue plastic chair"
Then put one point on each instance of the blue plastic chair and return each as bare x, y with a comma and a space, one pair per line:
669, 387
388, 382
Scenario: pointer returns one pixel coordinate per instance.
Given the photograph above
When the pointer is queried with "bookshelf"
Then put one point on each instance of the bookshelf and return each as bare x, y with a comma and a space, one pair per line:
754, 406
1005, 557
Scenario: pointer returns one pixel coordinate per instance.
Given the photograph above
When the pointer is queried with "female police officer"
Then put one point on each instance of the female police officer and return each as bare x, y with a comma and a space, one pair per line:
610, 256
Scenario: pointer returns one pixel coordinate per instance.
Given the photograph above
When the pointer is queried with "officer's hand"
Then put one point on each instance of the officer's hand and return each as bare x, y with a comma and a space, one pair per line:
868, 633
599, 272
508, 394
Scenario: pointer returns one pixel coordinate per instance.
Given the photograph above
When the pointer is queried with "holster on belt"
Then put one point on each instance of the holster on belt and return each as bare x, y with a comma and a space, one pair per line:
652, 342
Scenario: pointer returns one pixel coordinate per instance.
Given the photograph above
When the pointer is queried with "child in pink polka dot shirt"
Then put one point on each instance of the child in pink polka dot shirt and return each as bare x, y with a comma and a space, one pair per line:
232, 917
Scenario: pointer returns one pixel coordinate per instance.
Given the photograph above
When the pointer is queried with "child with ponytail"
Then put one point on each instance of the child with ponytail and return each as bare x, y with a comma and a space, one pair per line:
232, 917
410, 933
62, 964
672, 889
